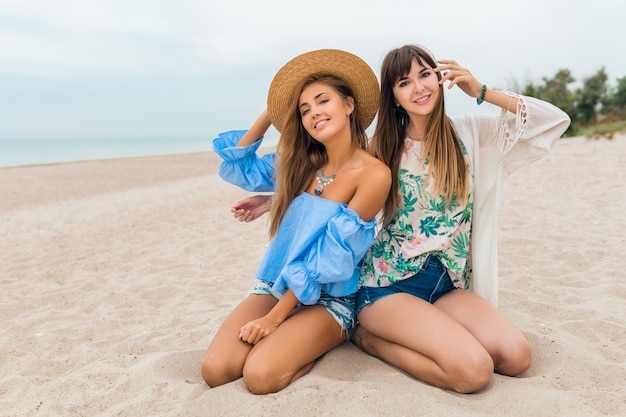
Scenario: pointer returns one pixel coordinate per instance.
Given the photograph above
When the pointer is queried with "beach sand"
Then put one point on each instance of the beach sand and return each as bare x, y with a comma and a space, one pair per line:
115, 275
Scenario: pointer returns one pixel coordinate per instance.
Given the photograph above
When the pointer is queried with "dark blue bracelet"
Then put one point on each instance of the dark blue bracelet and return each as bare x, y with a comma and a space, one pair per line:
481, 98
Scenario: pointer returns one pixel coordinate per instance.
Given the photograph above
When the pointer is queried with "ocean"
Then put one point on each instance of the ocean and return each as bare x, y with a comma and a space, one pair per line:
17, 152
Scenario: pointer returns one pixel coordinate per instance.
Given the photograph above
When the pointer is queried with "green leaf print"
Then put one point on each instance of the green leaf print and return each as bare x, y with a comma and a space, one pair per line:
460, 244
406, 228
447, 221
428, 226
409, 202
438, 205
378, 248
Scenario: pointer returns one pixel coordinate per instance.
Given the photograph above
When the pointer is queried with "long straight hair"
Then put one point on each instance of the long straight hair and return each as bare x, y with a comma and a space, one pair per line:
440, 143
299, 155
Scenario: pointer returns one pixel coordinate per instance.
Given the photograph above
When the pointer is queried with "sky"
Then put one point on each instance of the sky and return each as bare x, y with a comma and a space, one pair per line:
191, 68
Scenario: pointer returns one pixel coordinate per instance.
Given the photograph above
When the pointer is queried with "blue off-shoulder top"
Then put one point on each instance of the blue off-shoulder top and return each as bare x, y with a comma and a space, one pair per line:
319, 244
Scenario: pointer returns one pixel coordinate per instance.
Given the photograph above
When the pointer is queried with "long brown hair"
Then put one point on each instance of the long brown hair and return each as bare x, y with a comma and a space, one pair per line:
299, 156
440, 143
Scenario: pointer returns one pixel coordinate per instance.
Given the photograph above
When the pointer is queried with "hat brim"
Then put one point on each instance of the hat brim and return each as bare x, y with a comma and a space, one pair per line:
344, 65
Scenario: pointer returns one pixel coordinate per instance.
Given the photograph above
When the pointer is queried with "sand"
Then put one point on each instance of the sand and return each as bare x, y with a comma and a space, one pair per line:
115, 274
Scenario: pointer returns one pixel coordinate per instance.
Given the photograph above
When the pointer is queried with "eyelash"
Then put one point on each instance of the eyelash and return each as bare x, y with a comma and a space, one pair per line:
425, 74
325, 100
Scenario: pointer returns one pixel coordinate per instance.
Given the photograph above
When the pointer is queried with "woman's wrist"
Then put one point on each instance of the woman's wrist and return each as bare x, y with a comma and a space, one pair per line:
481, 96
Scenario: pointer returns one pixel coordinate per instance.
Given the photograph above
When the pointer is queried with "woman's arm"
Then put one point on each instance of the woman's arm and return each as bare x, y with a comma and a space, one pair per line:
255, 330
241, 165
256, 131
463, 78
505, 101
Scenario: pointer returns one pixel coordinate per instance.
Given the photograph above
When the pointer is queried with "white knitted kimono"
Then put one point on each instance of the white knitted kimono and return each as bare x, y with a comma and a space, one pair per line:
497, 147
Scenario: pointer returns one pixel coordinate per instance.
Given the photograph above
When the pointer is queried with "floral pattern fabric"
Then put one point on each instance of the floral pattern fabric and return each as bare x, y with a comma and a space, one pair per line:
424, 225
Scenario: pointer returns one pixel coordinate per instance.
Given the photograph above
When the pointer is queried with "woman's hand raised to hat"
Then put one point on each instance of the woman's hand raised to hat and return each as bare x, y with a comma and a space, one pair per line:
459, 76
257, 130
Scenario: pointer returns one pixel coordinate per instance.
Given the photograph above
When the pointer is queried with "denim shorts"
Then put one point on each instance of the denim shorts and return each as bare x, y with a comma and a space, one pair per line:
342, 309
430, 283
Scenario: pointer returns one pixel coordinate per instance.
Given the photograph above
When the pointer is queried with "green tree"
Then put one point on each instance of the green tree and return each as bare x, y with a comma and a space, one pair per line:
555, 91
584, 104
591, 96
618, 98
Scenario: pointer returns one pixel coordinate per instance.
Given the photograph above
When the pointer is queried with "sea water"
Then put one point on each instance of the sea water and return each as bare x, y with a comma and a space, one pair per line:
16, 152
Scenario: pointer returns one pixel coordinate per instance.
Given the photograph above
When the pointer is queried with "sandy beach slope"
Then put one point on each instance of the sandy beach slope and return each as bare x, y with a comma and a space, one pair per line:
115, 274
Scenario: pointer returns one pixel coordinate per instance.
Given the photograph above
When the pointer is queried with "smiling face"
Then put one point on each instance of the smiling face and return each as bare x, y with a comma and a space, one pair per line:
418, 91
324, 112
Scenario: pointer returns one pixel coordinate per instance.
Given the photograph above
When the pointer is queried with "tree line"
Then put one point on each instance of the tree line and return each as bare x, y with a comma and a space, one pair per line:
596, 108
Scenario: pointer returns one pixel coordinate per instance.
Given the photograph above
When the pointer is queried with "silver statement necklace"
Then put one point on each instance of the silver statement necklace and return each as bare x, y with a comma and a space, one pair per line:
323, 180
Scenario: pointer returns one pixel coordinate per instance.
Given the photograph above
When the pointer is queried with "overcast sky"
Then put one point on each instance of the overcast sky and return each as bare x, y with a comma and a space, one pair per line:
191, 68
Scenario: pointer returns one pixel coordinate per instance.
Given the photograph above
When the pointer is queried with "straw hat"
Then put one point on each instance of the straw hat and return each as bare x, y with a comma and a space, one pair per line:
349, 67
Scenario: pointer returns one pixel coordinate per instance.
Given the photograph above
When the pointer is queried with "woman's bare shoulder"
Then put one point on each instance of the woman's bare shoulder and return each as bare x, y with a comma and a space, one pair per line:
372, 169
370, 162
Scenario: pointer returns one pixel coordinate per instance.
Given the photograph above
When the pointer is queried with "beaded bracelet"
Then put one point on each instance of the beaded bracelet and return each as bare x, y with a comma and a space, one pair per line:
480, 99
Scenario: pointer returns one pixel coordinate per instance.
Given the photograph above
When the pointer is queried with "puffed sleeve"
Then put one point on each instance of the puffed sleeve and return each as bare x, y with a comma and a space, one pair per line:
242, 166
333, 262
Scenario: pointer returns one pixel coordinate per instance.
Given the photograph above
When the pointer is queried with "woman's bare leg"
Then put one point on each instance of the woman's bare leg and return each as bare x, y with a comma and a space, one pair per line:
225, 357
290, 351
507, 346
424, 341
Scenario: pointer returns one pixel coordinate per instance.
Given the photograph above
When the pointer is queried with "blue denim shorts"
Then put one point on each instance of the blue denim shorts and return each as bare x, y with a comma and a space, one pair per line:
430, 283
342, 309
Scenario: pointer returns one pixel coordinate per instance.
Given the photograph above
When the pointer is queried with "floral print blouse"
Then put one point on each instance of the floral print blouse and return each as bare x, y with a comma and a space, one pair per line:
424, 225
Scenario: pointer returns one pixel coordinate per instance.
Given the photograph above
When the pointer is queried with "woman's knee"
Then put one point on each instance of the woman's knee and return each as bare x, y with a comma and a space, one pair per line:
472, 374
216, 372
262, 379
515, 358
